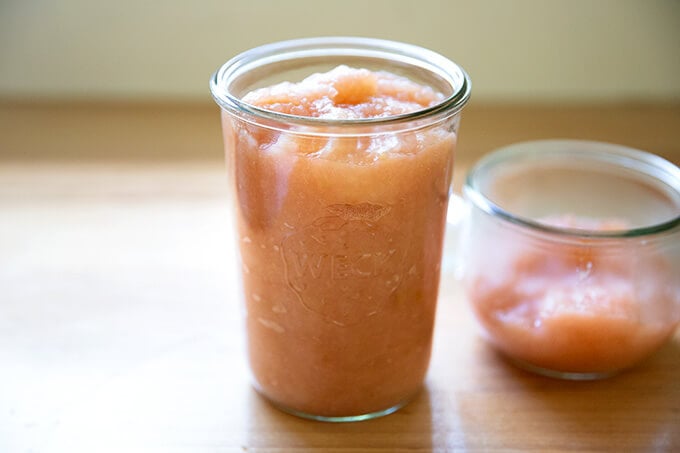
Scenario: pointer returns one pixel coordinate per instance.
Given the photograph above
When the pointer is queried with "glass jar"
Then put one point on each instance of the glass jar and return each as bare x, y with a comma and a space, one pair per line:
340, 225
571, 255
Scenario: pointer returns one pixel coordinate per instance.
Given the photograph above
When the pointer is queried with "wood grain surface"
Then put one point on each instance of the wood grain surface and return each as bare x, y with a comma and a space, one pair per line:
119, 322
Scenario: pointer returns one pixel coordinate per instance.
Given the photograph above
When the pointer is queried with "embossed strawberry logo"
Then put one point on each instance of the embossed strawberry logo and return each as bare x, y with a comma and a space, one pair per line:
344, 266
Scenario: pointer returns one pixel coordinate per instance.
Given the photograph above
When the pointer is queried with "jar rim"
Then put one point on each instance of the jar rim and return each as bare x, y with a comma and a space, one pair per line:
324, 47
640, 162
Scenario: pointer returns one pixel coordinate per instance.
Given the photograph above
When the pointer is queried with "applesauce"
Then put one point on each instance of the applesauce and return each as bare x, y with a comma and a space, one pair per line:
341, 181
572, 255
577, 310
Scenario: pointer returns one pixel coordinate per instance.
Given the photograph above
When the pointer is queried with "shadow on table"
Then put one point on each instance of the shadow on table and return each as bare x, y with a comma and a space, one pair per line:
407, 429
637, 410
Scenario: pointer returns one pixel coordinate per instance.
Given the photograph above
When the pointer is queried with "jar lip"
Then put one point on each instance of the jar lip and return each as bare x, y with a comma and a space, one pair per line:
641, 162
340, 46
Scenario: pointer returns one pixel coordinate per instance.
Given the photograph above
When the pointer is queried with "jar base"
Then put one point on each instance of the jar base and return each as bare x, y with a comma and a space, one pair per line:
565, 375
338, 419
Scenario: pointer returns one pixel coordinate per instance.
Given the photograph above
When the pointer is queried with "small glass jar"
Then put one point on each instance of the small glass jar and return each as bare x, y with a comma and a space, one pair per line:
571, 255
340, 225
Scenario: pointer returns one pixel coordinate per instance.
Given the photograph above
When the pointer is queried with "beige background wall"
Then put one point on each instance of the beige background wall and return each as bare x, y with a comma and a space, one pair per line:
535, 50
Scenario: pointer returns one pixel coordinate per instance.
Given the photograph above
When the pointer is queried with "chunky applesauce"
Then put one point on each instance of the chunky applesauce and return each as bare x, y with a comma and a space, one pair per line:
340, 239
571, 308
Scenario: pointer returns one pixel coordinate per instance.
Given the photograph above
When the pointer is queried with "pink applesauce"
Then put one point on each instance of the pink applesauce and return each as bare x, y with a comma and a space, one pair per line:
575, 309
341, 242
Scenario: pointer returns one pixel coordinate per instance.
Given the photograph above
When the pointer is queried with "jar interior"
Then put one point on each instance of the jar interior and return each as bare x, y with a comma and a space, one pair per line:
545, 185
274, 71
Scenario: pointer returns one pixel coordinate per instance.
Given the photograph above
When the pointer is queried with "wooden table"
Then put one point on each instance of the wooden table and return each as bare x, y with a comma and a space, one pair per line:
119, 325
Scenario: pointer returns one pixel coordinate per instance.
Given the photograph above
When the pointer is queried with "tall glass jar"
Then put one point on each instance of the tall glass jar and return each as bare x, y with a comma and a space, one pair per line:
340, 225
